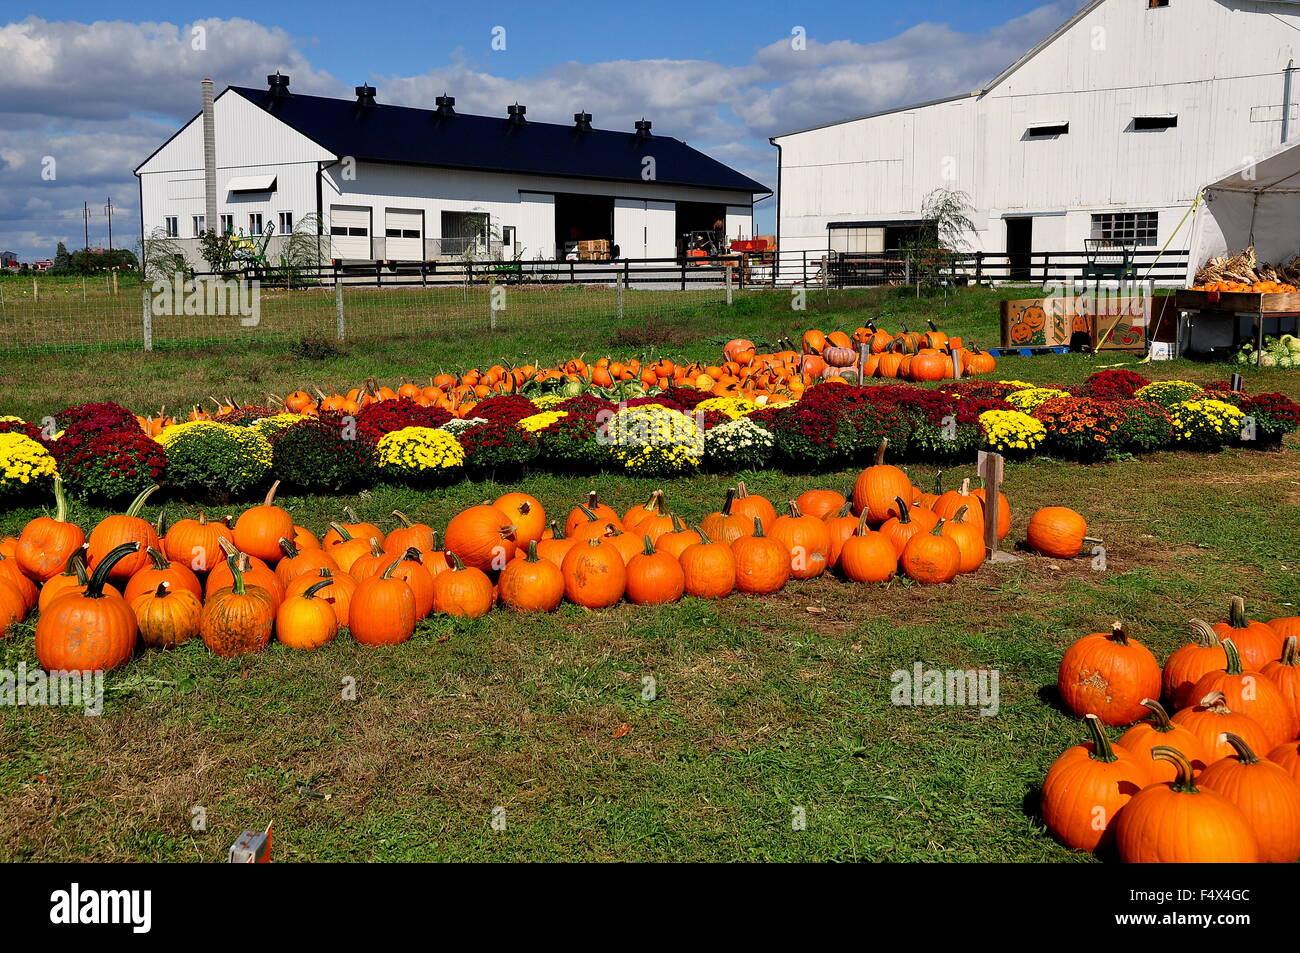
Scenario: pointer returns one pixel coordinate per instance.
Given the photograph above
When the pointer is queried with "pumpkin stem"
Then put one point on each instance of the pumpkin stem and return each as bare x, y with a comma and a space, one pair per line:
649, 546
844, 510
270, 494
1216, 702
1244, 754
904, 514
138, 503
1205, 635
678, 526
726, 504
557, 531
237, 571
758, 527
158, 559
456, 564
160, 524
77, 567
960, 515
1117, 633
591, 516
794, 510
532, 552
164, 589
1289, 654
413, 555
95, 588
592, 500
880, 451
339, 528
704, 537
1184, 783
861, 529
1234, 657
351, 514
1237, 613
388, 570
1159, 717
402, 518
60, 501
375, 549
938, 483
288, 548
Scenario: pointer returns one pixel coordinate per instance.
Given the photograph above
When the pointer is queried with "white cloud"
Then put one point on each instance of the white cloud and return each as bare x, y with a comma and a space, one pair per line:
100, 97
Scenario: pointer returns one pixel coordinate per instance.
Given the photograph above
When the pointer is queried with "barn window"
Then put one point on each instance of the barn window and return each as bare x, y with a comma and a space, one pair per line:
286, 223
227, 225
169, 223
1127, 228
1047, 130
254, 223
1149, 123
1157, 4
199, 225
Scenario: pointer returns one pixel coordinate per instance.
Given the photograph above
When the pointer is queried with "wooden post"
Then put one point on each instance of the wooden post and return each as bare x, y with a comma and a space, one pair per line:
339, 326
35, 291
147, 320
728, 284
990, 471
863, 350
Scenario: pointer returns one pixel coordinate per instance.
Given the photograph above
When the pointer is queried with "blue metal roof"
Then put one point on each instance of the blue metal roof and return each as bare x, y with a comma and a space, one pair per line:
401, 134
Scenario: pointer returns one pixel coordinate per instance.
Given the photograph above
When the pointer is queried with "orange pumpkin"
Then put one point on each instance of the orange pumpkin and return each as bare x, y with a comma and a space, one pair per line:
47, 542
654, 578
807, 539
258, 530
196, 542
462, 590
878, 489
382, 611
1087, 787
725, 525
92, 630
708, 568
176, 575
166, 617
595, 574
238, 619
762, 563
531, 584
1158, 730
931, 557
113, 531
525, 513
482, 536
1266, 795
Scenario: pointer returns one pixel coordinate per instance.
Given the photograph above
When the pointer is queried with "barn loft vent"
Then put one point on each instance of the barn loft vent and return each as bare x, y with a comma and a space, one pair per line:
446, 106
365, 96
582, 122
1143, 123
515, 114
278, 86
643, 129
1044, 129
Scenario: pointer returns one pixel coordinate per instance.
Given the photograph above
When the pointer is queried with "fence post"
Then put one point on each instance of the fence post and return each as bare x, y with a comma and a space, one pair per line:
683, 275
146, 316
979, 266
114, 282
1046, 258
340, 326
728, 284
492, 306
619, 283
805, 267
35, 292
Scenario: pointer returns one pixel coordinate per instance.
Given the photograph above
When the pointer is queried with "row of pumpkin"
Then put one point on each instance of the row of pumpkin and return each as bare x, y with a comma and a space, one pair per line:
235, 582
1218, 781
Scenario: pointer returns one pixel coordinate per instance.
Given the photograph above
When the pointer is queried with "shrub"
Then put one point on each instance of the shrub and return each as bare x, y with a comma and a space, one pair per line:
384, 416
313, 348
1146, 426
1205, 423
653, 440
686, 397
733, 407
1029, 398
245, 416
835, 424
1011, 432
505, 408
1275, 415
25, 465
216, 461
112, 466
571, 442
312, 455
18, 425
497, 446
1081, 427
1116, 384
1168, 393
420, 454
268, 427
97, 416
738, 444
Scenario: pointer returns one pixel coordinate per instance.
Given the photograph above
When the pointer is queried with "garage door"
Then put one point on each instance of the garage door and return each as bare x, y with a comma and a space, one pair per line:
350, 231
403, 234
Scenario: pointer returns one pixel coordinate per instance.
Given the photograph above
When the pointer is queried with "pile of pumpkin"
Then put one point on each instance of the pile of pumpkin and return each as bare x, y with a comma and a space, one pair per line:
1216, 782
236, 582
874, 352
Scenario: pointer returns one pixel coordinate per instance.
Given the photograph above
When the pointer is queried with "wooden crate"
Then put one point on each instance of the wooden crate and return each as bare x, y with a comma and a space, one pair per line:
1239, 301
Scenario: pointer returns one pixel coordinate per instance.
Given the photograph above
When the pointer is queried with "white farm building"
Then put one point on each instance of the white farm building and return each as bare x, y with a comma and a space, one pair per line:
1107, 129
393, 183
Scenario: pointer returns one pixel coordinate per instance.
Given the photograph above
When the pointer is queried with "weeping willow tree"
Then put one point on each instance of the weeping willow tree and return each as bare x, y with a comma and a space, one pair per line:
161, 257
303, 249
944, 237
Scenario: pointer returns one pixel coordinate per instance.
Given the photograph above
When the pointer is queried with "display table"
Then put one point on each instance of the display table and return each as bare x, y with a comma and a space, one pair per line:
1227, 316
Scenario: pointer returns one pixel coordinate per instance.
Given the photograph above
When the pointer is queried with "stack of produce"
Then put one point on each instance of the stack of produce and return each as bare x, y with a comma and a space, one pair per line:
1242, 271
1218, 781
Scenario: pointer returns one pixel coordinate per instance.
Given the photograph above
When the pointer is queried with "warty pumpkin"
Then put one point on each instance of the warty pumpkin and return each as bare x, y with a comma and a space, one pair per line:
113, 531
654, 578
259, 529
530, 583
1266, 795
382, 611
930, 558
1176, 822
238, 619
92, 630
167, 617
1087, 788
47, 542
1109, 674
1211, 718
595, 574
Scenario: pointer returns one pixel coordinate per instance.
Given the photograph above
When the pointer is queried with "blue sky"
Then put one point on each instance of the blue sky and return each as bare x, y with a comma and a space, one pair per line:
99, 86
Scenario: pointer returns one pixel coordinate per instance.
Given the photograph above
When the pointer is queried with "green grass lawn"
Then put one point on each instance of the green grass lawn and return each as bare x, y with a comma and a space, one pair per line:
762, 705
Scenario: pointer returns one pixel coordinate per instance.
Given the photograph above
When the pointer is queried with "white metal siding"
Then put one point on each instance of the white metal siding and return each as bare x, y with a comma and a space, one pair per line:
740, 221
536, 217
660, 230
630, 227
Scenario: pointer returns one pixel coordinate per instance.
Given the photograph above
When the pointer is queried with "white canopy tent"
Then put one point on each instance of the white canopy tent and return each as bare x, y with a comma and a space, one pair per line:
1256, 204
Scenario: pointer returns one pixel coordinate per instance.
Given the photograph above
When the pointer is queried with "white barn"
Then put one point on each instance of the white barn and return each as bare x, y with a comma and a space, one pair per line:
393, 183
1107, 129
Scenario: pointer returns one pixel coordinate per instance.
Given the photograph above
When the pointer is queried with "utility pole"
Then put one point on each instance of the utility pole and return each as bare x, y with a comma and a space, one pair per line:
85, 223
109, 210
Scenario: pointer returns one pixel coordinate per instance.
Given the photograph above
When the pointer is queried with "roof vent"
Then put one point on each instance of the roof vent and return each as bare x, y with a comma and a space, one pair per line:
582, 122
643, 129
278, 86
365, 96
446, 106
516, 114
